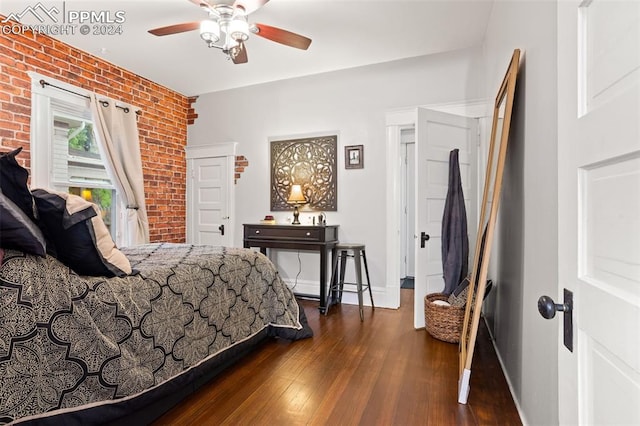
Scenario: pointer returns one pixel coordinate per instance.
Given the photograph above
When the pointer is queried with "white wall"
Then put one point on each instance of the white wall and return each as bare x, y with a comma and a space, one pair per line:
527, 229
353, 103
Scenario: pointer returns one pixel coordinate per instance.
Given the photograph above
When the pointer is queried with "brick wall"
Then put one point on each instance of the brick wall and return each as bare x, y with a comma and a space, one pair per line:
162, 125
241, 163
191, 113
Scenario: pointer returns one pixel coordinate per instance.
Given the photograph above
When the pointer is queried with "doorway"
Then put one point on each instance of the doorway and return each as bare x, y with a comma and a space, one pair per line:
437, 133
407, 208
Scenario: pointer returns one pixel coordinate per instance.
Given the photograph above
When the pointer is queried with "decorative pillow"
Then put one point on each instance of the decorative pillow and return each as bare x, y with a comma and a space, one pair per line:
13, 183
458, 297
17, 230
74, 227
17, 208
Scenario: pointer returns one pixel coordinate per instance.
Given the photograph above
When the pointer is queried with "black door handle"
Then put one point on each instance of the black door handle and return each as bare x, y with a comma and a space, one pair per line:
221, 229
423, 238
548, 308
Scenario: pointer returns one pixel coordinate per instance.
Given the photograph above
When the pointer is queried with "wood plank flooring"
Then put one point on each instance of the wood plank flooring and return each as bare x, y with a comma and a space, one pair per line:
378, 372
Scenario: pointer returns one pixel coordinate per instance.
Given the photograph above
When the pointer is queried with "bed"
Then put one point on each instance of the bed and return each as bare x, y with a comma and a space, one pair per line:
95, 334
95, 349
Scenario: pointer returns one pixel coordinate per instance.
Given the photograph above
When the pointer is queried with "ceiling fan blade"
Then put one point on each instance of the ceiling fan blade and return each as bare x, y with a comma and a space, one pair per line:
249, 6
283, 36
176, 28
241, 57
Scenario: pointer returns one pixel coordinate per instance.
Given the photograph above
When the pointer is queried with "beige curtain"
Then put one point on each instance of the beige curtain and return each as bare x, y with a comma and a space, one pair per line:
117, 130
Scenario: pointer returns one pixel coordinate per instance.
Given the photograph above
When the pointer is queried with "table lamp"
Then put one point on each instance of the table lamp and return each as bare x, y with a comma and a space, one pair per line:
296, 197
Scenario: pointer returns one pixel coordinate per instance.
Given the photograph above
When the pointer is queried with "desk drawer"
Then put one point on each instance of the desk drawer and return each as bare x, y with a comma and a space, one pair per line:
275, 233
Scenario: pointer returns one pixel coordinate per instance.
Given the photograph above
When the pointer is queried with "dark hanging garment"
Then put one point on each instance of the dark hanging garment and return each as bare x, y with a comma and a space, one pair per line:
455, 240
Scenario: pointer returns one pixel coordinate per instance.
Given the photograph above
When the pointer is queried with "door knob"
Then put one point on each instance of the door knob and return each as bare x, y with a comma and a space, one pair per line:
221, 229
548, 308
424, 237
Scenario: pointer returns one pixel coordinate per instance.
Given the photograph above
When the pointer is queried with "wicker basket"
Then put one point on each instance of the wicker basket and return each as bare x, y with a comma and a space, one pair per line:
443, 322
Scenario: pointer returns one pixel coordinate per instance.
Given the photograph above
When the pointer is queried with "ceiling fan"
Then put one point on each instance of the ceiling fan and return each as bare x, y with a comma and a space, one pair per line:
228, 27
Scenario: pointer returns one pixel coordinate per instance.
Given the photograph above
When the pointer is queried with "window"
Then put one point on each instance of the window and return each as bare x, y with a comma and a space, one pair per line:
78, 167
65, 155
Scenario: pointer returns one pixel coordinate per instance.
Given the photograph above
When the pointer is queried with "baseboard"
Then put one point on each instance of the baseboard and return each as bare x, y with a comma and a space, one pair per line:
382, 297
504, 373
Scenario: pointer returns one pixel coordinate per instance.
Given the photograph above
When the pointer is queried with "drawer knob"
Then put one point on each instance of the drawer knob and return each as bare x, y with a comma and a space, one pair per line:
308, 234
257, 231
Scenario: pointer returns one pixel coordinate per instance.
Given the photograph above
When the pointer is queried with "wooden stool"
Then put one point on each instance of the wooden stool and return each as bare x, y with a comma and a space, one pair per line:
357, 252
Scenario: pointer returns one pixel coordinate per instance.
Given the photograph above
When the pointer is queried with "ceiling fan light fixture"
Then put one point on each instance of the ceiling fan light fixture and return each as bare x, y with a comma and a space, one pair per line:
228, 28
210, 31
239, 29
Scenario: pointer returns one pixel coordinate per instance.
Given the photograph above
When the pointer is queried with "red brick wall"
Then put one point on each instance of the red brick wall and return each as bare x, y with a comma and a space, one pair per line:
162, 125
191, 113
241, 163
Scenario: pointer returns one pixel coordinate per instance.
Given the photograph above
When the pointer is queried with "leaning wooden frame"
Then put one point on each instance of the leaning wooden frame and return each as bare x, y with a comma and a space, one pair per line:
488, 214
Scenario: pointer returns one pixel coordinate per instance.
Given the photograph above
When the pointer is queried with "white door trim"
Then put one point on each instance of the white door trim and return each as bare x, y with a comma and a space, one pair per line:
224, 149
395, 122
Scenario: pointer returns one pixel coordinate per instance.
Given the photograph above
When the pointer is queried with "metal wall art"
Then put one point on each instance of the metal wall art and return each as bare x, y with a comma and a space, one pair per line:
309, 162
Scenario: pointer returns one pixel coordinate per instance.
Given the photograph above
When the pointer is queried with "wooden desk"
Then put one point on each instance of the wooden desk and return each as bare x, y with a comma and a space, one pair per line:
296, 237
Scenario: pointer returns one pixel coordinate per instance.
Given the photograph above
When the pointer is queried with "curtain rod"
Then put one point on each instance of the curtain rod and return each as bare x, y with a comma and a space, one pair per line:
103, 103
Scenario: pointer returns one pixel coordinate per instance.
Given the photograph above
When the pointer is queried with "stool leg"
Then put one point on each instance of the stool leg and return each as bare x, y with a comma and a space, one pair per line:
343, 266
331, 294
366, 271
356, 258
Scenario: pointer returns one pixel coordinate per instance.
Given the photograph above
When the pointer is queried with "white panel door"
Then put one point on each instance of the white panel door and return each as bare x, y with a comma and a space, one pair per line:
209, 201
437, 133
599, 209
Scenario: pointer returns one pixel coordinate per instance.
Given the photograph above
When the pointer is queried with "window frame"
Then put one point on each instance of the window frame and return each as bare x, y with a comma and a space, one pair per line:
47, 102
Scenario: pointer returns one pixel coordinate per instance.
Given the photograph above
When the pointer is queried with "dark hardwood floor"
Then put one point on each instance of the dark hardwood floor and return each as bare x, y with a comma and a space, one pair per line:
378, 372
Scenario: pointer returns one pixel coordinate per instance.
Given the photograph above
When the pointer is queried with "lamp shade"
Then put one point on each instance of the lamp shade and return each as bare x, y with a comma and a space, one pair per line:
86, 194
238, 29
210, 31
296, 196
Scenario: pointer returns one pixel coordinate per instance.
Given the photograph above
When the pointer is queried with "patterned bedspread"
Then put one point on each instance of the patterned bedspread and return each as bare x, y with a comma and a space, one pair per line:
71, 341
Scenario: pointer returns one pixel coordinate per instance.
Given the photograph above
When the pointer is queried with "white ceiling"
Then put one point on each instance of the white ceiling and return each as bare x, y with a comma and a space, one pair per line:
345, 34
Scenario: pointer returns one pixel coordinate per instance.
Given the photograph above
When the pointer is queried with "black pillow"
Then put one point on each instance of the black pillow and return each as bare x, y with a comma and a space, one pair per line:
17, 231
18, 214
13, 183
74, 227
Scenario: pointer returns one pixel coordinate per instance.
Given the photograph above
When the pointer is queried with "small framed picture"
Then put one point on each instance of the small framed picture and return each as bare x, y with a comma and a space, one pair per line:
353, 157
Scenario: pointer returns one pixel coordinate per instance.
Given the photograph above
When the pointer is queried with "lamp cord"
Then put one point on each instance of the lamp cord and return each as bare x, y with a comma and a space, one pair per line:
299, 271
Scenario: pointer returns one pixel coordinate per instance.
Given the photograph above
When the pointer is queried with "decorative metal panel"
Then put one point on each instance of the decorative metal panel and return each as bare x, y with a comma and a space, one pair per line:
309, 162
